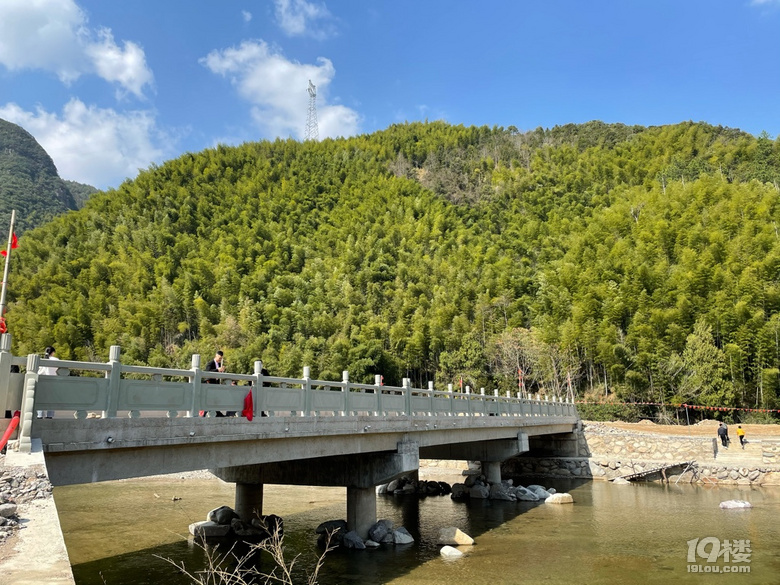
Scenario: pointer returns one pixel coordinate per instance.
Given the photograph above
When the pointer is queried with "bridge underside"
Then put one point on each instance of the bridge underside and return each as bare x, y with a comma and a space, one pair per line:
353, 452
110, 449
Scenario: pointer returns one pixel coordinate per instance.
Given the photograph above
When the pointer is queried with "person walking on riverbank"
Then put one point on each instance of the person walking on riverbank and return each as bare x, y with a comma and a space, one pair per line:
724, 435
741, 435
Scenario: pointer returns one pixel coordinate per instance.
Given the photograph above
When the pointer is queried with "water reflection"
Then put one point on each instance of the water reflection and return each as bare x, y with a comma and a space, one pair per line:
612, 534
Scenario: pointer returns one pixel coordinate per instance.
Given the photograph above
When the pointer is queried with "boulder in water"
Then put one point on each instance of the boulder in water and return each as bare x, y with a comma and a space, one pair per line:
332, 526
449, 552
479, 492
454, 536
402, 536
223, 515
559, 499
735, 505
352, 541
209, 529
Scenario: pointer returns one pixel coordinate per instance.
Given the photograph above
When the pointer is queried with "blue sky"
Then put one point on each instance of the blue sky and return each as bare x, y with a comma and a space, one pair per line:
110, 87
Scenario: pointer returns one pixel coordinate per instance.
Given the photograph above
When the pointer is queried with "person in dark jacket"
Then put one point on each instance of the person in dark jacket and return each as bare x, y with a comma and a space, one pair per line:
723, 433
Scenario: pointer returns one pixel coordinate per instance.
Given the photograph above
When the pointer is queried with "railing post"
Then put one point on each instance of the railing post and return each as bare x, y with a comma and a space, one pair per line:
378, 392
452, 399
407, 396
259, 404
256, 389
28, 403
345, 381
5, 370
468, 399
307, 391
114, 376
196, 382
484, 402
430, 395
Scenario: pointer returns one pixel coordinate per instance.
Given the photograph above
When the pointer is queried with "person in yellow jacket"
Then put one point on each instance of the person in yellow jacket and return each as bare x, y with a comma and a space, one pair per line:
741, 435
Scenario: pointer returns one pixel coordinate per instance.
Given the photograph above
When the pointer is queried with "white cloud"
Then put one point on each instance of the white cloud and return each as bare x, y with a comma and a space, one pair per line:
246, 15
302, 18
127, 66
277, 89
100, 147
53, 35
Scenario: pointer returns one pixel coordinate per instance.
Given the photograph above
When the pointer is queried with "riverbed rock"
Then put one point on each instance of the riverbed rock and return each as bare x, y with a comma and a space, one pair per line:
735, 505
371, 544
499, 492
459, 490
559, 499
267, 526
406, 489
525, 495
352, 541
245, 530
7, 510
209, 529
402, 536
479, 492
223, 515
449, 552
380, 529
539, 491
621, 481
454, 536
332, 526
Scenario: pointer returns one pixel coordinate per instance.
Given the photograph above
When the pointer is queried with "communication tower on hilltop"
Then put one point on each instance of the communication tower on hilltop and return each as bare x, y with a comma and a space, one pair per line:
312, 130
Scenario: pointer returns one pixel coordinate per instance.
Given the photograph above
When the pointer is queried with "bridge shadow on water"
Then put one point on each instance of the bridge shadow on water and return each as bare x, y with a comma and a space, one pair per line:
423, 517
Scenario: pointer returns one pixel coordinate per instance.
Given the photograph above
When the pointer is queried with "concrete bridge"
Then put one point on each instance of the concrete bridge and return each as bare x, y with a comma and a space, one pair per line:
115, 421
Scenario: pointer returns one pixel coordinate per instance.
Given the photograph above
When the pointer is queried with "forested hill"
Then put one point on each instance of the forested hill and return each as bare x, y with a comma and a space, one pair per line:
642, 263
29, 182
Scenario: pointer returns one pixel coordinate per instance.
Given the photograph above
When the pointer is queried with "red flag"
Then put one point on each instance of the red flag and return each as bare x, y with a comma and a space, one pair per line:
14, 245
249, 410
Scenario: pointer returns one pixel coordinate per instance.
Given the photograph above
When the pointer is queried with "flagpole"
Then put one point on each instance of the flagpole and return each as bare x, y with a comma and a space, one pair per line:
7, 264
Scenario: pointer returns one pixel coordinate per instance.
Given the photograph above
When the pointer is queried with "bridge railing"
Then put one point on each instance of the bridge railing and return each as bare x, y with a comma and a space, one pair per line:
114, 389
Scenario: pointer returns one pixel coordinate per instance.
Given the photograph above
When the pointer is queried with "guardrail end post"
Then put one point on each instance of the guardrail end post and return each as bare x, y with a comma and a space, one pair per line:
114, 376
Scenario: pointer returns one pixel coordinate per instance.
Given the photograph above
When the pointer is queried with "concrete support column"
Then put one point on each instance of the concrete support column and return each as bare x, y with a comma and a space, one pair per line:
361, 509
492, 471
249, 500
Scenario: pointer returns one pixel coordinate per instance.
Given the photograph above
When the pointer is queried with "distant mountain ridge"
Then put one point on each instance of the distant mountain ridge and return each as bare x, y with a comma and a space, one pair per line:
29, 181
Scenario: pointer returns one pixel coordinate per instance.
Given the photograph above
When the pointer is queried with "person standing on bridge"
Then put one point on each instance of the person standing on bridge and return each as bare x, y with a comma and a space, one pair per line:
48, 354
215, 365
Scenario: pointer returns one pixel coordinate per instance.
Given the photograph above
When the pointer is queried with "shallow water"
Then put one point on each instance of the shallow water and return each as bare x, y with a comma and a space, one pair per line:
116, 532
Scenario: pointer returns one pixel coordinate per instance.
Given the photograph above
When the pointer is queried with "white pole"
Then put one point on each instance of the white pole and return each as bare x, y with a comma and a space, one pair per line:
7, 264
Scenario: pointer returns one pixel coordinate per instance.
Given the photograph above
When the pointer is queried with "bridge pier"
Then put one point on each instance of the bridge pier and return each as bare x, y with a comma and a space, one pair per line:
249, 500
361, 509
492, 471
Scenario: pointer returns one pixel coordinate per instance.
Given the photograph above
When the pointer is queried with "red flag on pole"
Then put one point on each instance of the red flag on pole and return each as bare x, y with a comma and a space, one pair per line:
14, 245
249, 409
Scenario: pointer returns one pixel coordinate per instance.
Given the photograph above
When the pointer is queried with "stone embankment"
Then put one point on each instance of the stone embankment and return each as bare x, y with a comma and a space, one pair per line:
19, 486
606, 452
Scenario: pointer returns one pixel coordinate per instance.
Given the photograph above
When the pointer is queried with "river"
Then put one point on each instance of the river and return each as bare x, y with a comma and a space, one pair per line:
119, 533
